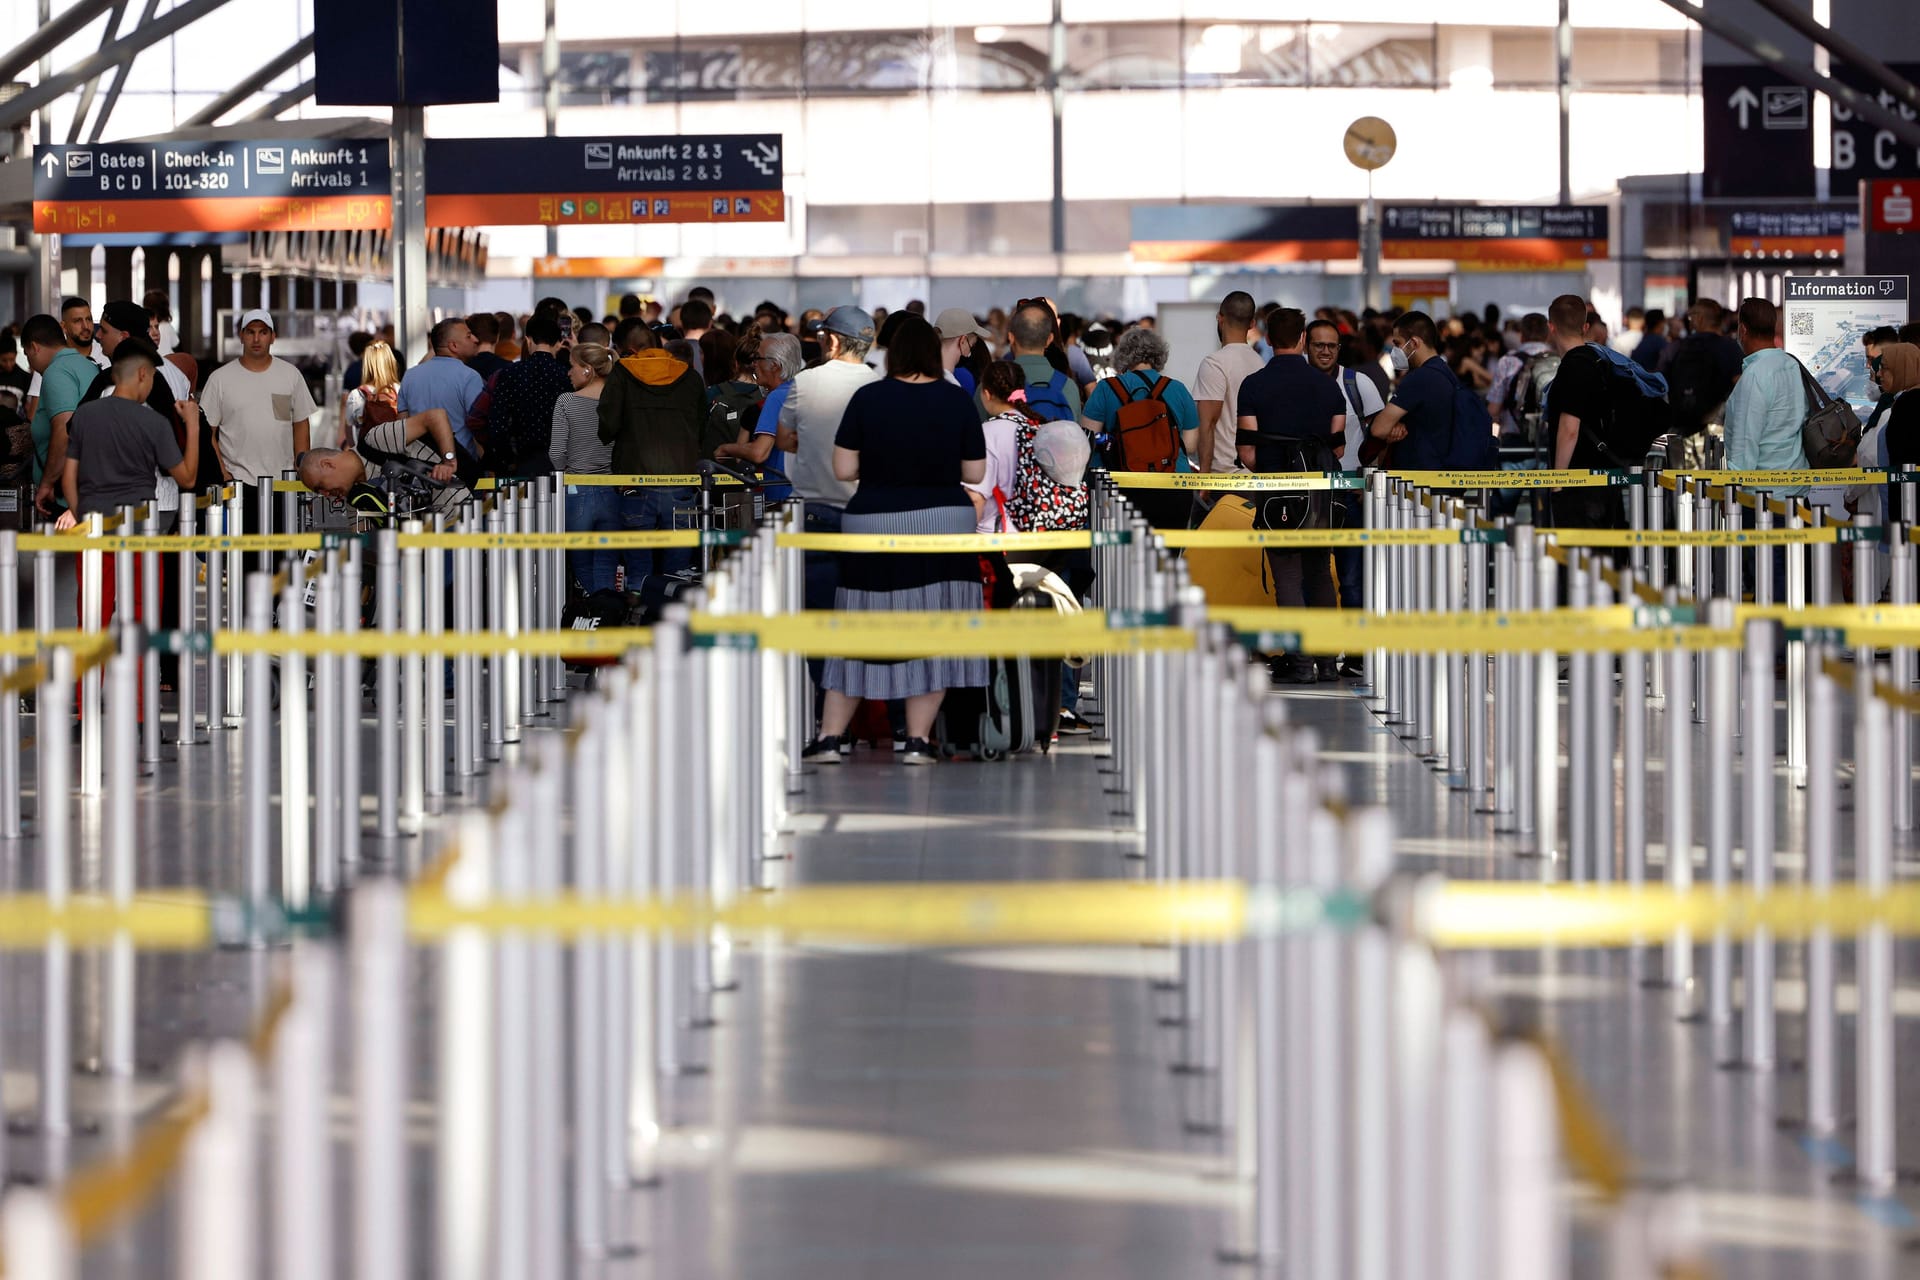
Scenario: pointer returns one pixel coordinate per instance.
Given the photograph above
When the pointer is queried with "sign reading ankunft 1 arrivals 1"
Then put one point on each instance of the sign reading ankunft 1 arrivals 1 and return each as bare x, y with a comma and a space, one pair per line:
333, 184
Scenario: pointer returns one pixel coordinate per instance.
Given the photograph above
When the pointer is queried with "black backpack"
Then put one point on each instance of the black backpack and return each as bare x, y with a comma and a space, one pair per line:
1637, 412
735, 408
1697, 382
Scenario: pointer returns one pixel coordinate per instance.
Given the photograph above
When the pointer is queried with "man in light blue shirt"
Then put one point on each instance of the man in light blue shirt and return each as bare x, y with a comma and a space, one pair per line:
1768, 403
444, 381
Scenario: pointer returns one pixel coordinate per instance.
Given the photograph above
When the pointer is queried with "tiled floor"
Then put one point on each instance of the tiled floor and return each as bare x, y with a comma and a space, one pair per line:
1012, 1114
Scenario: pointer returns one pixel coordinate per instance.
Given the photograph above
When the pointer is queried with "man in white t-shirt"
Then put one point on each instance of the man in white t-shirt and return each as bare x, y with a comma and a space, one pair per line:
259, 406
1216, 388
1363, 402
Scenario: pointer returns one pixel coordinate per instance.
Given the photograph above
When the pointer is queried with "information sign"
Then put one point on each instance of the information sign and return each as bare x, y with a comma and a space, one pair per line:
1825, 319
722, 177
321, 184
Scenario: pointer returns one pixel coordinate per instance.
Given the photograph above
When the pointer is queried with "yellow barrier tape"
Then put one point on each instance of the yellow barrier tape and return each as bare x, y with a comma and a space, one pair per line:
1572, 479
213, 497
1498, 915
267, 1029
25, 643
1609, 629
1230, 481
610, 540
31, 676
1693, 537
898, 636
1205, 538
1779, 479
434, 878
1591, 1149
1008, 542
180, 922
607, 643
674, 481
1064, 913
178, 542
97, 1199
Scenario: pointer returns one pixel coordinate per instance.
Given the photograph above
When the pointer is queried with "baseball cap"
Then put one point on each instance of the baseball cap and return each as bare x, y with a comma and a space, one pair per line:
127, 317
260, 314
849, 322
956, 321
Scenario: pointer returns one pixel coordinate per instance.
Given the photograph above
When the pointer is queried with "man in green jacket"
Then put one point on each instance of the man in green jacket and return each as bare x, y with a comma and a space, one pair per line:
651, 413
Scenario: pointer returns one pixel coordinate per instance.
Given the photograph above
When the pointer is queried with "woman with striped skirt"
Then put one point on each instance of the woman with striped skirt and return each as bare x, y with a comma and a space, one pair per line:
911, 441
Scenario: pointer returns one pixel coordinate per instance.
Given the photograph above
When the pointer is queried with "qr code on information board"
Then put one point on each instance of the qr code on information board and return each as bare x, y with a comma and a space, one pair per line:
1800, 323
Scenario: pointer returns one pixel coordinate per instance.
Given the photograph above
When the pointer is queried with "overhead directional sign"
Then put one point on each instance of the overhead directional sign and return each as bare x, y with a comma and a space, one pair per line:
1818, 229
1245, 233
1759, 133
1862, 150
1519, 235
718, 177
326, 184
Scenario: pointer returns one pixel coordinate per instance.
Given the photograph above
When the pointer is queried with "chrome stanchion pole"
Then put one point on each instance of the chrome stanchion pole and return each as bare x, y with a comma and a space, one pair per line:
465, 1135
54, 788
236, 523
211, 1240
123, 724
1422, 594
296, 858
466, 668
1874, 1086
1505, 702
186, 571
327, 674
1600, 746
257, 763
1900, 674
513, 1030
303, 1141
150, 662
1759, 839
1633, 758
36, 1237
387, 584
351, 699
1546, 728
433, 606
1581, 806
92, 621
634, 1062
1823, 746
10, 774
216, 606
1797, 649
672, 819
1523, 683
1529, 1214
546, 1020
377, 953
1475, 696
1465, 1184
1678, 773
1703, 593
1721, 713
1371, 1121
413, 706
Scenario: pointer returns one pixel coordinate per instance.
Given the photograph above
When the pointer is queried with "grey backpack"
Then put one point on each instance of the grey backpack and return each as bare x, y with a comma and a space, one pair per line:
1830, 433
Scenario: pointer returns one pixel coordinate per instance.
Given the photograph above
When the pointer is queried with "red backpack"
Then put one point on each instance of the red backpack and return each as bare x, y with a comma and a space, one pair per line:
1143, 434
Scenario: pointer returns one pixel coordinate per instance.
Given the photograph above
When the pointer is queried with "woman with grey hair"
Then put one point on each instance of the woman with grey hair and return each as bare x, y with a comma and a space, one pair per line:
771, 366
1140, 359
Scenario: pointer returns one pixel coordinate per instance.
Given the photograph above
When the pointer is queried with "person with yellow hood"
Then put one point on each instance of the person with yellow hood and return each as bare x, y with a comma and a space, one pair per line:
651, 413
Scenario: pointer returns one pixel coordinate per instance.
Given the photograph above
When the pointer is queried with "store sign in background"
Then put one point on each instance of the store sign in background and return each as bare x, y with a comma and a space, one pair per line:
320, 184
1826, 316
596, 181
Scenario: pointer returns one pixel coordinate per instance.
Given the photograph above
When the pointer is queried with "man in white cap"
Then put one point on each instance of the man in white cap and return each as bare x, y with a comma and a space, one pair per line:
259, 406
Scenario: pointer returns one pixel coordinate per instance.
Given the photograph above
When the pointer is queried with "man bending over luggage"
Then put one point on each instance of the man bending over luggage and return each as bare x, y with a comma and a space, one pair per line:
425, 439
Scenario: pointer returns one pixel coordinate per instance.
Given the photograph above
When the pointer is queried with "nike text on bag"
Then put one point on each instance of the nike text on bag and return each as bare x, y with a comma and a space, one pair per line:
1047, 401
1143, 434
1830, 433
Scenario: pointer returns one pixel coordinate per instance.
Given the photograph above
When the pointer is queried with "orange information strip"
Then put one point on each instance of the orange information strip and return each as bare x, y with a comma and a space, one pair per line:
600, 208
1531, 251
213, 213
1244, 250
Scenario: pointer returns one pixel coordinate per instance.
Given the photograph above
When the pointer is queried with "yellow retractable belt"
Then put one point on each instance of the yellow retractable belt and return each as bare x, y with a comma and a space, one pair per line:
1700, 537
1776, 479
248, 542
612, 540
1234, 481
607, 643
897, 636
1010, 543
1571, 479
1214, 538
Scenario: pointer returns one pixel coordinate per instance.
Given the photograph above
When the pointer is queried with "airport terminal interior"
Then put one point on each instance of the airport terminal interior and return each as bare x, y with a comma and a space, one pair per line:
1112, 638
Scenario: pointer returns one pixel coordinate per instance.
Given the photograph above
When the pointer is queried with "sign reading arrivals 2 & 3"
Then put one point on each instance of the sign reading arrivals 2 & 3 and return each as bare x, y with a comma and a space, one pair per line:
329, 184
725, 177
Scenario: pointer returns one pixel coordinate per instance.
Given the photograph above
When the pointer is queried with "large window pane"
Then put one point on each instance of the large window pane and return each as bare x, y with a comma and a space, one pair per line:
867, 62
1144, 55
1371, 56
700, 70
989, 57
1226, 53
1523, 60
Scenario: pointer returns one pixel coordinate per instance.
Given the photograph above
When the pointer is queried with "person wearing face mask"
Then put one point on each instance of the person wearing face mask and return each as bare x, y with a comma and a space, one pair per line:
1418, 420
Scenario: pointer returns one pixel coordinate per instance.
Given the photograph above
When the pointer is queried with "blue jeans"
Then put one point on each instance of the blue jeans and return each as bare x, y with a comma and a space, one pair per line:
656, 509
595, 509
1349, 563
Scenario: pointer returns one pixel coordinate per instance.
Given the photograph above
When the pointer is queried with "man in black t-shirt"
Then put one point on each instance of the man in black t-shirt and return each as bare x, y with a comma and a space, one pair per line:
1294, 418
1577, 407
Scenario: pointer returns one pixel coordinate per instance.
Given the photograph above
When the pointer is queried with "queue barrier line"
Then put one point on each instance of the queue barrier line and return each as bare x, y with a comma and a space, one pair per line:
1218, 538
1843, 673
608, 540
1335, 637
173, 542
608, 643
687, 480
215, 497
97, 1199
1236, 481
16, 644
1063, 540
1712, 537
177, 923
1592, 1150
899, 636
1577, 478
1764, 480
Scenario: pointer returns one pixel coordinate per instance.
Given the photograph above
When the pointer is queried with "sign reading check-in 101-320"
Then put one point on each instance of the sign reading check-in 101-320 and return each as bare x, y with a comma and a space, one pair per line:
305, 185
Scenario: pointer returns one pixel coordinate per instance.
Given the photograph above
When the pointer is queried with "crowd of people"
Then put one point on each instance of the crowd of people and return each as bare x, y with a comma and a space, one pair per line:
897, 423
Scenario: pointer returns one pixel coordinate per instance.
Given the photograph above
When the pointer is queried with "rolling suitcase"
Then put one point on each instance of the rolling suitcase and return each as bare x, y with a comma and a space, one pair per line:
1231, 577
1033, 689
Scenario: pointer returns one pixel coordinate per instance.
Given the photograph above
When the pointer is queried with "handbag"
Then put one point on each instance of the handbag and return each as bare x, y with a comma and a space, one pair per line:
1830, 433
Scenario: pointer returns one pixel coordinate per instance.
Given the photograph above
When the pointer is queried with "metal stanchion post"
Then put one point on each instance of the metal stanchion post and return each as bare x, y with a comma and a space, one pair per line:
1580, 728
386, 578
498, 625
303, 1139
1546, 732
634, 1061
186, 573
377, 953
1759, 839
1523, 684
1678, 801
671, 820
328, 670
1600, 747
464, 1148
53, 785
1721, 713
123, 725
216, 606
434, 695
10, 779
1900, 674
236, 523
1465, 1216
1633, 758
1505, 701
211, 1240
351, 700
1703, 593
150, 663
1530, 1217
413, 708
296, 858
1874, 1085
1474, 699
92, 621
1370, 1122
1422, 591
466, 668
1823, 749
546, 1018
257, 759
1797, 649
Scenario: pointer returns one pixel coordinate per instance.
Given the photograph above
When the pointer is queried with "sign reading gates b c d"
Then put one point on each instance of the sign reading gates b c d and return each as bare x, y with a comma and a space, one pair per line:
1825, 318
